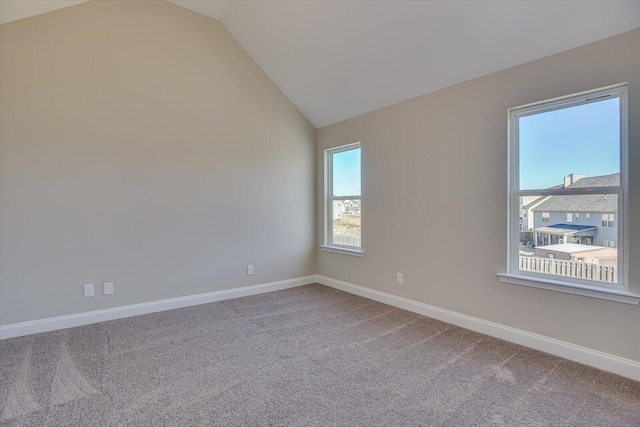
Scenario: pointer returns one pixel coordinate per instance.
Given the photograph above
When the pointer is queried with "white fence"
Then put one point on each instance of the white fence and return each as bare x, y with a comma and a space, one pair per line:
559, 267
343, 239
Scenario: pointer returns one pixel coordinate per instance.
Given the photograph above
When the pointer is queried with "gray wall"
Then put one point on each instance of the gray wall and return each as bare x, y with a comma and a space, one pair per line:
142, 145
429, 162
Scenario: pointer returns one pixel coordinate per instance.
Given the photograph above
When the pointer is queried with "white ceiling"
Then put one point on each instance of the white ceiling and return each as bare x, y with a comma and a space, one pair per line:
340, 59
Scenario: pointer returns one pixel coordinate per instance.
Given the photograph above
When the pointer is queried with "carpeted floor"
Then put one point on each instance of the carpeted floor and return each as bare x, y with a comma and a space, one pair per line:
306, 356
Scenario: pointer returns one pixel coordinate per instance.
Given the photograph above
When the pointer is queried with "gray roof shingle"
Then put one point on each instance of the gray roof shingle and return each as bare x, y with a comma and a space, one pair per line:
585, 203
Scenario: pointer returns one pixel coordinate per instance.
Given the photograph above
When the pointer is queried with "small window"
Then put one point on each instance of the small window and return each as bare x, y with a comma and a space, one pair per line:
343, 198
551, 146
608, 220
587, 217
608, 243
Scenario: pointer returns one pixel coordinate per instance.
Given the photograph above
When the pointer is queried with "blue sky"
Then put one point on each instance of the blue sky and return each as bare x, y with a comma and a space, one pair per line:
346, 173
582, 139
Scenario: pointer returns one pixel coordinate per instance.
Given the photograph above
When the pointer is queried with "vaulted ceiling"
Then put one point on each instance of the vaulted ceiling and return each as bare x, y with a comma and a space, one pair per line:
339, 59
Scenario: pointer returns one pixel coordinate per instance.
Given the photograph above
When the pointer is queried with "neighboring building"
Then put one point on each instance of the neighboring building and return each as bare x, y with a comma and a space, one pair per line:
529, 203
585, 219
338, 210
352, 207
575, 252
347, 211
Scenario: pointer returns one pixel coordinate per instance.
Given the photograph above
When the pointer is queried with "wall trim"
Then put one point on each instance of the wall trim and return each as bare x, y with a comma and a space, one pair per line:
72, 320
597, 359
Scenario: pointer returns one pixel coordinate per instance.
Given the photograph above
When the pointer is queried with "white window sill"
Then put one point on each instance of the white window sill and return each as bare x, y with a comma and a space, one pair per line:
344, 251
572, 288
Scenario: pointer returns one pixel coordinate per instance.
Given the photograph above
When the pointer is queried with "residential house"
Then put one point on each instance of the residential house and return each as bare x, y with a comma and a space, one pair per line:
583, 219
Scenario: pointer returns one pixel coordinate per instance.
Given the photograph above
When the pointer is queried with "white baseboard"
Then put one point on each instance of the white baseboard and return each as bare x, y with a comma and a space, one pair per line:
607, 362
79, 319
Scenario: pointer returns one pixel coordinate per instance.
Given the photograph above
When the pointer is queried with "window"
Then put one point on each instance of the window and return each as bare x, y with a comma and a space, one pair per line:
608, 243
587, 217
608, 220
551, 156
577, 217
343, 210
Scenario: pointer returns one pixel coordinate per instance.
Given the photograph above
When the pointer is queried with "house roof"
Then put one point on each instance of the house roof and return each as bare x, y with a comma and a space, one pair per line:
612, 180
570, 248
540, 199
564, 229
585, 203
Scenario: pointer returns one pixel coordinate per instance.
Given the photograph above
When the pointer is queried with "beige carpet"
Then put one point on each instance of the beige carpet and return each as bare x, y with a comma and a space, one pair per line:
302, 357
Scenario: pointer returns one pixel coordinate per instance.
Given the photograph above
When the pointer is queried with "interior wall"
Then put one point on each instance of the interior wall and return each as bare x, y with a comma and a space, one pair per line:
435, 196
141, 145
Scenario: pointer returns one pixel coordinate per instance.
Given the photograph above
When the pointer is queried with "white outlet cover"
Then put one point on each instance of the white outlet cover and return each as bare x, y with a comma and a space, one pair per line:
88, 290
400, 278
108, 288
249, 270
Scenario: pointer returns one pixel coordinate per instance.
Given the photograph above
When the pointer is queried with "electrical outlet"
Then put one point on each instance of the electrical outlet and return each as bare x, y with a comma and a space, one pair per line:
108, 288
400, 278
88, 291
249, 270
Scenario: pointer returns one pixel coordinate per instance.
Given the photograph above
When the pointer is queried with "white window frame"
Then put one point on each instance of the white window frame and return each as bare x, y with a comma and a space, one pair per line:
620, 292
569, 217
608, 220
328, 245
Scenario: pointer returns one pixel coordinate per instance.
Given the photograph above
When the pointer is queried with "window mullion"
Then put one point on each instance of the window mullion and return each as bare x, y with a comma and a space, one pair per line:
353, 197
570, 191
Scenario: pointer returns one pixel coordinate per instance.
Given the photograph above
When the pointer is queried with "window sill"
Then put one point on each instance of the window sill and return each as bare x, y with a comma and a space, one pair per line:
334, 249
572, 288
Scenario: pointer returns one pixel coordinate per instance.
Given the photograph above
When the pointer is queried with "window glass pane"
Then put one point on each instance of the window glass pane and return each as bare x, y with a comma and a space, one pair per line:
346, 216
581, 249
346, 173
560, 147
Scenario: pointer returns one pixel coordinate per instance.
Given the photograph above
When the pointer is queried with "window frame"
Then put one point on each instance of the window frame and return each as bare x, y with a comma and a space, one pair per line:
607, 243
620, 291
610, 220
328, 244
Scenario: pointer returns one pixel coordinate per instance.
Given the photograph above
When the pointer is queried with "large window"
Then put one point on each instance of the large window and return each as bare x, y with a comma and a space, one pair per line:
570, 154
343, 210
